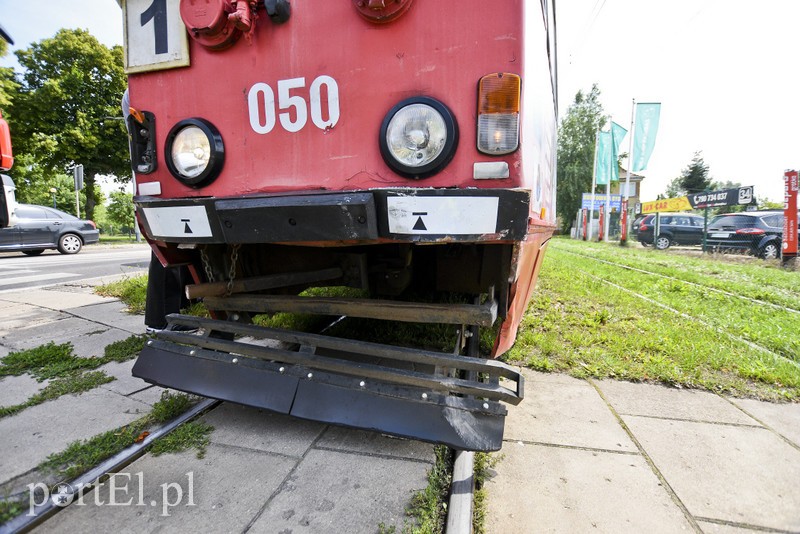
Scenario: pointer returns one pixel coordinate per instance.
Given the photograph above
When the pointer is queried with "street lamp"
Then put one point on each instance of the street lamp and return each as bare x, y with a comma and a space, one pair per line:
53, 191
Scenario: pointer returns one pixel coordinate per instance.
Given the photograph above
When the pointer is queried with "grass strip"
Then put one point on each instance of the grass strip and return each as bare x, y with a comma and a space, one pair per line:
774, 329
749, 277
580, 325
82, 455
68, 373
61, 386
428, 506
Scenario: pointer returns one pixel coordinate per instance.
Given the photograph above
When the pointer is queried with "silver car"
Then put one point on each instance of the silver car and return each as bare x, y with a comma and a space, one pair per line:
39, 228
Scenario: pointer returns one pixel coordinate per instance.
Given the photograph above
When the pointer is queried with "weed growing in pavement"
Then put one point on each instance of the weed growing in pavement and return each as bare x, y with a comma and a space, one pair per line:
193, 435
170, 406
68, 373
429, 506
484, 463
10, 509
132, 291
125, 349
79, 383
82, 455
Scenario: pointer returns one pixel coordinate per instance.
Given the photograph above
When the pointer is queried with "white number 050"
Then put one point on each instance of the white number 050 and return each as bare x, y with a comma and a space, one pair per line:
261, 99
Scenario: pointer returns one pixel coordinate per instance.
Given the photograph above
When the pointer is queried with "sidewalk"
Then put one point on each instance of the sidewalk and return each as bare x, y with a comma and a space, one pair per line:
263, 472
608, 456
579, 456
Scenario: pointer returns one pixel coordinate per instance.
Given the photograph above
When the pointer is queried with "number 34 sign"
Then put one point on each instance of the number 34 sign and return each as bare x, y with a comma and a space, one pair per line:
155, 37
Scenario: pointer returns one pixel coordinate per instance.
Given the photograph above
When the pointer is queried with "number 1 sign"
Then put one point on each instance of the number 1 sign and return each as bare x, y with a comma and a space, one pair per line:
155, 37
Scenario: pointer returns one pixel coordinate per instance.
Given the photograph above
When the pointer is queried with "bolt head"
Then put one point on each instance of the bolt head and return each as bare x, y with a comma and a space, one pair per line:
282, 369
235, 360
424, 395
192, 352
362, 384
310, 375
485, 405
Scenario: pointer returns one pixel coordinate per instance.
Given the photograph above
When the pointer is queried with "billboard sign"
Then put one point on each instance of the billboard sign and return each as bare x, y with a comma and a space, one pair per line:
790, 206
600, 200
726, 197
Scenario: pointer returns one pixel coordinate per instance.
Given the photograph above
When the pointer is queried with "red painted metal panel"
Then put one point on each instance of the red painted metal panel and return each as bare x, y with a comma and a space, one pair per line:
434, 49
790, 206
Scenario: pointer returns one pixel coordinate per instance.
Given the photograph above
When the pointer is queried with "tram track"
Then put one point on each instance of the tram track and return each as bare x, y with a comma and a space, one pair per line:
687, 282
74, 490
775, 356
461, 495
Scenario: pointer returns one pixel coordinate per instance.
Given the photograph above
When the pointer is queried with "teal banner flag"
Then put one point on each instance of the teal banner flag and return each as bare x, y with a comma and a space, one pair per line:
644, 134
602, 163
617, 134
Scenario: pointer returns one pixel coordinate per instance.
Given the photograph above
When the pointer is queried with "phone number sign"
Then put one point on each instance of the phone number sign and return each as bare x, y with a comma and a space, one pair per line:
155, 37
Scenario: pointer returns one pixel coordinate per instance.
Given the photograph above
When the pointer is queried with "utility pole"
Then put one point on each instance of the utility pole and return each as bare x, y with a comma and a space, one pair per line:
78, 175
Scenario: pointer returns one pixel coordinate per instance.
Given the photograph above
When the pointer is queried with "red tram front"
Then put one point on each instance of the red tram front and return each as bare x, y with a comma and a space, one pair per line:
405, 148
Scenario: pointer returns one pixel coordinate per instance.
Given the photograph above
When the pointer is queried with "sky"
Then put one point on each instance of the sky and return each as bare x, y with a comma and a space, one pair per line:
725, 72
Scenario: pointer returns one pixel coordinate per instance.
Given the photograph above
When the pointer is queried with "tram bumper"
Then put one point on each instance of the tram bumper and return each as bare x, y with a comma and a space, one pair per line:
429, 396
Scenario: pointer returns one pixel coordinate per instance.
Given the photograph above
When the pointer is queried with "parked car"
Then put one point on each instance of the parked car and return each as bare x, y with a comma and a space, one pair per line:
39, 228
675, 229
754, 232
635, 225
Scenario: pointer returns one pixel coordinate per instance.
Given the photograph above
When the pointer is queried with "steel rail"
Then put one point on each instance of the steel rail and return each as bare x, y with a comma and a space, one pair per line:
710, 288
87, 481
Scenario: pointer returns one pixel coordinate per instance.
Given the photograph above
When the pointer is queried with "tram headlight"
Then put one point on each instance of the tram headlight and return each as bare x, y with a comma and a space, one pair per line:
418, 137
195, 153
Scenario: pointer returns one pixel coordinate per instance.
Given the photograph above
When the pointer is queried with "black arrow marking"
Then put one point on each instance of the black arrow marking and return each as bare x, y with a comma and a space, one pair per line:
186, 229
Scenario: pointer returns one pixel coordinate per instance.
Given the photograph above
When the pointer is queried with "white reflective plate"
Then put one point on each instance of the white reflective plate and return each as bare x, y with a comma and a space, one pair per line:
721, 234
442, 215
178, 221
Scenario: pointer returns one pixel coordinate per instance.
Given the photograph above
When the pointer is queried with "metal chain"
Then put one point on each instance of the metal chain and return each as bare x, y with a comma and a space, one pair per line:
206, 265
232, 272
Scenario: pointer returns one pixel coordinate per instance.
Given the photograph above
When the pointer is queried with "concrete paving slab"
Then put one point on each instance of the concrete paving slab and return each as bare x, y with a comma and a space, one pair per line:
783, 418
15, 316
88, 338
563, 410
716, 528
243, 426
348, 439
555, 489
36, 432
55, 299
18, 389
655, 400
125, 382
229, 487
112, 314
149, 396
342, 492
732, 473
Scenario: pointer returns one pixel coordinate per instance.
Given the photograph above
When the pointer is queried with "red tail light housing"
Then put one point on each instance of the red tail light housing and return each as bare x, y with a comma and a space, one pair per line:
750, 231
93, 225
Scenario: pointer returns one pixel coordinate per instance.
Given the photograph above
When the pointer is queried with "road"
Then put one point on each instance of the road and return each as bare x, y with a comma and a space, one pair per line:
18, 271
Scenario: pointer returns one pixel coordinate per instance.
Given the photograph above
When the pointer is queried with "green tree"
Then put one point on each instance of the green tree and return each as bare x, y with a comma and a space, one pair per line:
63, 111
34, 184
576, 140
8, 85
120, 210
695, 177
